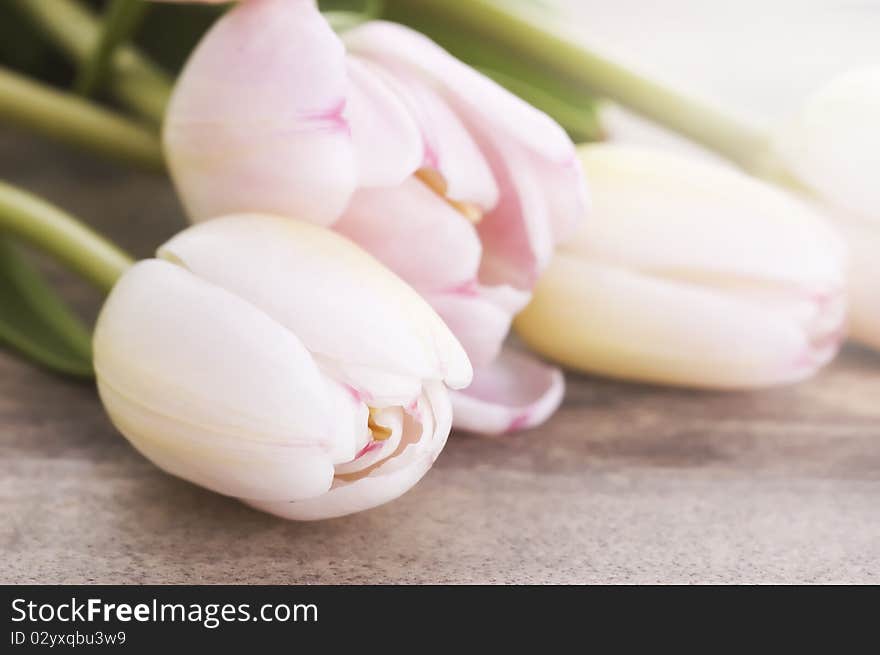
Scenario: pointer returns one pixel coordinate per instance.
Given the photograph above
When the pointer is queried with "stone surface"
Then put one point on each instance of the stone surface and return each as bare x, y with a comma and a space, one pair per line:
627, 483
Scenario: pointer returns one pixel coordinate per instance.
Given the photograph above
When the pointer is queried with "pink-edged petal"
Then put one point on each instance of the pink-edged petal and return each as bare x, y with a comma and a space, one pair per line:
565, 189
256, 121
347, 437
449, 147
375, 451
425, 433
515, 392
517, 235
542, 191
414, 232
479, 317
699, 331
387, 141
272, 60
472, 93
480, 326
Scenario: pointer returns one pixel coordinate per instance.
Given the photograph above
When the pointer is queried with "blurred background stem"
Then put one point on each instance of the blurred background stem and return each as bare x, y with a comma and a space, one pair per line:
524, 46
38, 107
346, 19
536, 39
41, 224
132, 79
120, 20
580, 118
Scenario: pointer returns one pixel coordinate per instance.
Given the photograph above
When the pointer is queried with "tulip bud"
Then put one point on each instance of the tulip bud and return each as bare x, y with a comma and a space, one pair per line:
273, 361
690, 274
833, 148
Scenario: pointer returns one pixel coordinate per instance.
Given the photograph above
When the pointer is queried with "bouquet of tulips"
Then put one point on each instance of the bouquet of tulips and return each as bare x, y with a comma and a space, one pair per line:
378, 193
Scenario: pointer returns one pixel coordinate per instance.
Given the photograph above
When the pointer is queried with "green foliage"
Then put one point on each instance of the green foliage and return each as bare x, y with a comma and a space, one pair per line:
571, 105
36, 322
120, 20
23, 49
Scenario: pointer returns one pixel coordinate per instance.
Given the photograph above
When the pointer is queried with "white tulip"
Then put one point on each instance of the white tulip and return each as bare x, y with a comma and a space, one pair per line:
276, 362
690, 273
833, 148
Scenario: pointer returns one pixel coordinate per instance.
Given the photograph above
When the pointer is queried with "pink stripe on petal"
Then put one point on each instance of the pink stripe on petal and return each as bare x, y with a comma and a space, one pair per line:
332, 119
519, 423
471, 288
369, 448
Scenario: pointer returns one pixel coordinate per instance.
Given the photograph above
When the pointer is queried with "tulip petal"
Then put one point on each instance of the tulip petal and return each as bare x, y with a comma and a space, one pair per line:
480, 326
387, 142
227, 464
514, 392
389, 418
472, 93
414, 232
360, 315
480, 317
449, 147
566, 195
211, 389
864, 282
834, 144
542, 196
257, 121
604, 319
517, 235
347, 436
695, 220
421, 444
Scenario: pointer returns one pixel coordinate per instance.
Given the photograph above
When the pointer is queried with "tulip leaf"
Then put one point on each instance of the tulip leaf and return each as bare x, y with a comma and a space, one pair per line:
36, 322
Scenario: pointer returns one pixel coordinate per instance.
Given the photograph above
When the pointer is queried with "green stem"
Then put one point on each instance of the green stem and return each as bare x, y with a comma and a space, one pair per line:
535, 36
342, 20
132, 79
121, 19
571, 105
50, 229
581, 122
35, 106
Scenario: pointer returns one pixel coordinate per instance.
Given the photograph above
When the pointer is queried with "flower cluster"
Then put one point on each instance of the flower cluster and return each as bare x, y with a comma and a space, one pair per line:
456, 185
370, 216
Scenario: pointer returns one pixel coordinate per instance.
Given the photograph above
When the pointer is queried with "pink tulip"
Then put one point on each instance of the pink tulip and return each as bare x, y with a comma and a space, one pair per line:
459, 187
